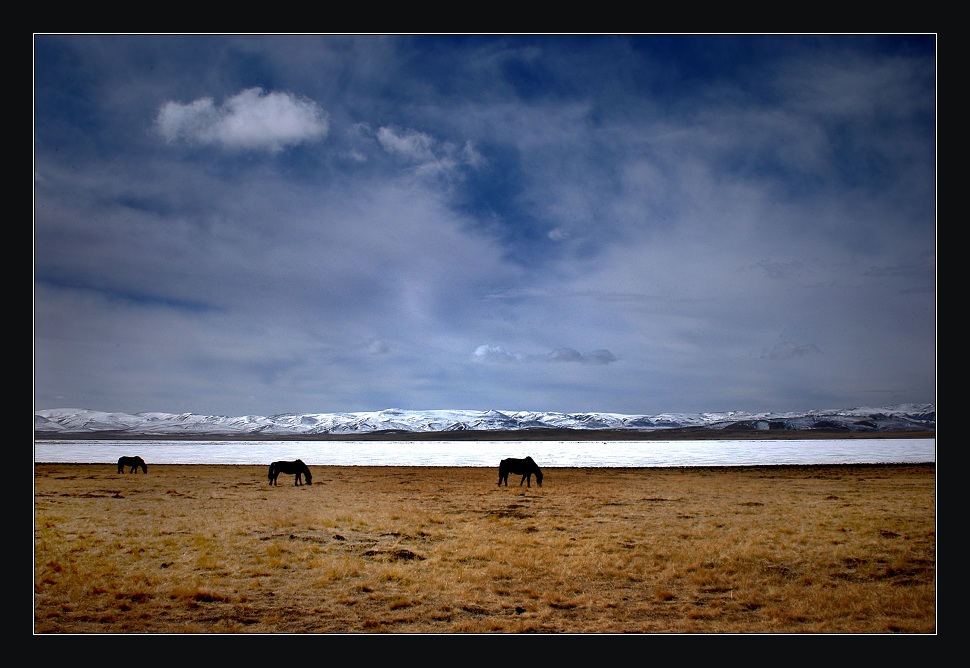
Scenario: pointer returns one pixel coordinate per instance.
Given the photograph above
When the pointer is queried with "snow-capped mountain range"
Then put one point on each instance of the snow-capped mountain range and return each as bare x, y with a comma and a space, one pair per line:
73, 422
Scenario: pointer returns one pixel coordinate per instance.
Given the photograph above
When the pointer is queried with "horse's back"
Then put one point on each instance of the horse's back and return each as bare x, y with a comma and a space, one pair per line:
515, 465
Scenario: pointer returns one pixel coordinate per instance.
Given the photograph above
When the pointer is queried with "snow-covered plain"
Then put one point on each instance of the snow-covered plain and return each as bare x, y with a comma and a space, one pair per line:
488, 453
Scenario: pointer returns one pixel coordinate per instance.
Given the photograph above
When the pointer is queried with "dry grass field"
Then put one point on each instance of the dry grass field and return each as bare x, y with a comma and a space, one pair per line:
215, 549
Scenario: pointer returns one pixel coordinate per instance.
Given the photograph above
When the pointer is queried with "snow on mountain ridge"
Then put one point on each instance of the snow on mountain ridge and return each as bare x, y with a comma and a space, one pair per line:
57, 421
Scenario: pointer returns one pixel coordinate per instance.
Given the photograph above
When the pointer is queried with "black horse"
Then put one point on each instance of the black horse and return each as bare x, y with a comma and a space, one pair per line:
523, 467
134, 462
295, 467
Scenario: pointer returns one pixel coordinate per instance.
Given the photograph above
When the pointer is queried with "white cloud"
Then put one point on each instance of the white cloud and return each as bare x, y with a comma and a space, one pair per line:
251, 119
490, 353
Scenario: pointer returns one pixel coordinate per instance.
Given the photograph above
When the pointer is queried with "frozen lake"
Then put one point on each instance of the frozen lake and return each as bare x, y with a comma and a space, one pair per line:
488, 453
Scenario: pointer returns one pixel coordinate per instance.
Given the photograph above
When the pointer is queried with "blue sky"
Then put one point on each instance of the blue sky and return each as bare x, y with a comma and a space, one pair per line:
253, 225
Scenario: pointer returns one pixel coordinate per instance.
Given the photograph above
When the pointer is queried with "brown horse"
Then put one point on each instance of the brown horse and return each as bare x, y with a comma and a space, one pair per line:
296, 467
134, 462
523, 467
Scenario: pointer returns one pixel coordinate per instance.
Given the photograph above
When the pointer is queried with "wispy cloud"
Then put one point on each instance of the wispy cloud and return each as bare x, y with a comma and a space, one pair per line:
429, 156
493, 353
786, 350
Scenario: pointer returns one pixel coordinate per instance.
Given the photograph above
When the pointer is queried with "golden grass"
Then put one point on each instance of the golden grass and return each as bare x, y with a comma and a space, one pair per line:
215, 549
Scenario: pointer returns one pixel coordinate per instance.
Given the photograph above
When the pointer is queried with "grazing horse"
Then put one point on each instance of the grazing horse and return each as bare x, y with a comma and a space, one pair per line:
295, 467
134, 462
523, 467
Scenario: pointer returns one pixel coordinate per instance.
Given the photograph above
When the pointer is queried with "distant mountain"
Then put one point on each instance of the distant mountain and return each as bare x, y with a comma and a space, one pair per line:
60, 423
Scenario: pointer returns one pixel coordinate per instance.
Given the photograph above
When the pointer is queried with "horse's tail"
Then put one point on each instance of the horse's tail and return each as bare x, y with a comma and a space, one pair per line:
272, 470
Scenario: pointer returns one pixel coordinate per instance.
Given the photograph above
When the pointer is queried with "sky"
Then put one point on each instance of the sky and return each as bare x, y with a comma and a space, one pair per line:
640, 224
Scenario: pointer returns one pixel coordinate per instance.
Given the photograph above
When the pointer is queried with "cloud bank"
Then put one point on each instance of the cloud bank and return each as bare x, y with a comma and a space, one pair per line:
638, 224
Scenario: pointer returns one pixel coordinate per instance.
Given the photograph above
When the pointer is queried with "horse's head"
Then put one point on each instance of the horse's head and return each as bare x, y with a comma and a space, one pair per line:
538, 477
308, 476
